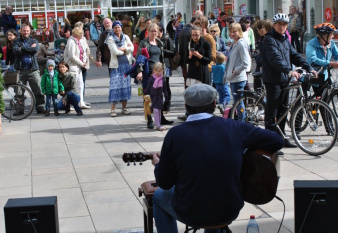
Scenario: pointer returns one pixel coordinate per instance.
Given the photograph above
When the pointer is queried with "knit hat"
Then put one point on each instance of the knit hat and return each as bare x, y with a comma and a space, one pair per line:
50, 62
62, 45
199, 95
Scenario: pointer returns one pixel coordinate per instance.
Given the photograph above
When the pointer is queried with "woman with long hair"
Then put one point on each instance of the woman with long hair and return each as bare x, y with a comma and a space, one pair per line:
140, 26
86, 26
11, 35
67, 28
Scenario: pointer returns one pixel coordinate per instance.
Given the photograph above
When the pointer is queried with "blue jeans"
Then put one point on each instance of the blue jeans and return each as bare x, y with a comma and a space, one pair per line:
72, 99
54, 98
224, 93
165, 215
236, 96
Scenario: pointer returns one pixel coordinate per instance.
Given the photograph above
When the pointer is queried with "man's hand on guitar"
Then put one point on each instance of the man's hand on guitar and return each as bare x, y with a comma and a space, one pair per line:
156, 158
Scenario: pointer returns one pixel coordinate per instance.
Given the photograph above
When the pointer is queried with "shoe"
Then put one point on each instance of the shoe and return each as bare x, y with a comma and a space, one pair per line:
40, 109
166, 111
125, 111
56, 113
288, 144
71, 109
113, 113
182, 118
166, 122
150, 123
87, 104
79, 113
85, 107
161, 128
279, 152
47, 113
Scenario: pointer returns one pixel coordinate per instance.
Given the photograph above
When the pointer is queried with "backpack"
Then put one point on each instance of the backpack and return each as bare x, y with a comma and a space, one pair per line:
174, 61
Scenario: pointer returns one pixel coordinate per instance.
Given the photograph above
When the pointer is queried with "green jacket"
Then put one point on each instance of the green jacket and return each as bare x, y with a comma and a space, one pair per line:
46, 84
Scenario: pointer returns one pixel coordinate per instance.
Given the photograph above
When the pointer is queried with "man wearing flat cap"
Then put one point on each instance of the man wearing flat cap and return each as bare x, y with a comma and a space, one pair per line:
198, 172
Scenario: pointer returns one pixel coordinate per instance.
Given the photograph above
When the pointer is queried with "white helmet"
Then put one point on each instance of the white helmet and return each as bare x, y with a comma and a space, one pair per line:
280, 17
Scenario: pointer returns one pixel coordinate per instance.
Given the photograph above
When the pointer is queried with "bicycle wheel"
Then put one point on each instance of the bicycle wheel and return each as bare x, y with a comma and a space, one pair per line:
333, 102
19, 101
254, 109
321, 132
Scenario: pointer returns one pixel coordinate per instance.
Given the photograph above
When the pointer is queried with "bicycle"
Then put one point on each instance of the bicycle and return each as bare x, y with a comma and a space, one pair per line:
313, 123
19, 101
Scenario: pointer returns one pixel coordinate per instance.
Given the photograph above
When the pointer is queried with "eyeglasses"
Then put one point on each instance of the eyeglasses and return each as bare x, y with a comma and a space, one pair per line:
153, 31
213, 31
195, 35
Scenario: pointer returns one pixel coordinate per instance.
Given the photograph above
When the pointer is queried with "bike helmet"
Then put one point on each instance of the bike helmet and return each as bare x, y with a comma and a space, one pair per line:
280, 18
324, 29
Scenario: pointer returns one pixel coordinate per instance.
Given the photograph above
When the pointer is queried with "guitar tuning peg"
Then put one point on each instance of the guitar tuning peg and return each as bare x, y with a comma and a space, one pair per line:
141, 163
128, 164
134, 163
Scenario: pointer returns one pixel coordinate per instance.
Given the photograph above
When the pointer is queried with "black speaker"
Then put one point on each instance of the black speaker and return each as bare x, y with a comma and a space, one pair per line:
316, 206
31, 215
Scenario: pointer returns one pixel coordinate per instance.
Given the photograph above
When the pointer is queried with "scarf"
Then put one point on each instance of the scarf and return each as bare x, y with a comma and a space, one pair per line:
80, 47
119, 43
158, 81
325, 48
51, 73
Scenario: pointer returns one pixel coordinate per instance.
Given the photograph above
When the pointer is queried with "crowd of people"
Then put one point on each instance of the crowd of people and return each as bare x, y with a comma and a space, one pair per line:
213, 52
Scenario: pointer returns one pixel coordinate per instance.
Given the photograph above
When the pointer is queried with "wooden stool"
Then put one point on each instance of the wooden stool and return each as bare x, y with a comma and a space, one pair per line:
147, 189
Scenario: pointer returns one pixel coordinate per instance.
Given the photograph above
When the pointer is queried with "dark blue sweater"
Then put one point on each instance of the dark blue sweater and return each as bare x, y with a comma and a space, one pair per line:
203, 160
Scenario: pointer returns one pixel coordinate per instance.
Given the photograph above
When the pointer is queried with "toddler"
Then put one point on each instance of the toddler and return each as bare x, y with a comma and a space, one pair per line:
156, 87
223, 90
59, 53
51, 86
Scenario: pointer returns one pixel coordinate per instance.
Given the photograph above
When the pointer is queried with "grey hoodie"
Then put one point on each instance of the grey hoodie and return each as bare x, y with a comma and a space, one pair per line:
239, 60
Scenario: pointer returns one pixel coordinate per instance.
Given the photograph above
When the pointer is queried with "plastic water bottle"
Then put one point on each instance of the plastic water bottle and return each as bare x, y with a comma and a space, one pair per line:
252, 225
140, 88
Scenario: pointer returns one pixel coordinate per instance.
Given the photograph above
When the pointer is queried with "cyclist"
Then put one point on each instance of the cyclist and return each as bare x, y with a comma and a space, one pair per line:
319, 52
278, 55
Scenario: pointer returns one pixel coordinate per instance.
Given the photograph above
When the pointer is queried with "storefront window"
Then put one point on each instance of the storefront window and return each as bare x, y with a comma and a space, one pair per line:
283, 6
330, 13
26, 6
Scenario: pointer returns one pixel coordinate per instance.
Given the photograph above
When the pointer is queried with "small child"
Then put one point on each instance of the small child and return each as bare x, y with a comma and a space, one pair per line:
223, 90
136, 42
156, 86
59, 53
51, 86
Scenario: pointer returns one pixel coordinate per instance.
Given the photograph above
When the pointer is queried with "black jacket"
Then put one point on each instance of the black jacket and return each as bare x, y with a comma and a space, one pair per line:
168, 49
183, 41
278, 55
20, 49
8, 22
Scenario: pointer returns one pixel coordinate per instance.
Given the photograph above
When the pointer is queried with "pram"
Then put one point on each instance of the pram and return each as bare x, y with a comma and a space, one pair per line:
59, 54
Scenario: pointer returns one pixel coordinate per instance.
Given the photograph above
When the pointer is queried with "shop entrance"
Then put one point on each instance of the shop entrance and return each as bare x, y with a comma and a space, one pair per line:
77, 16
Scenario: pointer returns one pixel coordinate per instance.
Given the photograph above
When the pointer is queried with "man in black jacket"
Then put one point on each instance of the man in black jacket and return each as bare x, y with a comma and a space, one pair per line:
183, 41
277, 58
25, 50
102, 51
8, 21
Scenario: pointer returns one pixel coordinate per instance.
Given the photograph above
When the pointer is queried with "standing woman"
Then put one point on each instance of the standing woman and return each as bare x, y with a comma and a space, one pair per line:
86, 26
168, 50
154, 47
67, 28
121, 49
199, 58
55, 29
76, 57
11, 35
237, 64
140, 26
220, 44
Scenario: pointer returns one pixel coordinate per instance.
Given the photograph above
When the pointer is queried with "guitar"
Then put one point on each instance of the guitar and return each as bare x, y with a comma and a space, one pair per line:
259, 174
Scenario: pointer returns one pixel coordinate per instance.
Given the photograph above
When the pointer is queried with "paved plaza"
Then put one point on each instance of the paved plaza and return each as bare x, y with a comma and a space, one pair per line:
79, 160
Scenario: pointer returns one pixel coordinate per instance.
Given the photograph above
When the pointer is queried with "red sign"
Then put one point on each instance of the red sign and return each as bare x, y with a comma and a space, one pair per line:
99, 10
38, 32
328, 14
47, 32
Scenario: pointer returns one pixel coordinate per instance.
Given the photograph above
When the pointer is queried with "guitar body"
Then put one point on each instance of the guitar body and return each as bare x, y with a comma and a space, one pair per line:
259, 176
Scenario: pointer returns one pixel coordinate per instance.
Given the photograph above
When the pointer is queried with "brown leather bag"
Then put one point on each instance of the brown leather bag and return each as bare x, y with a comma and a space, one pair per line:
11, 77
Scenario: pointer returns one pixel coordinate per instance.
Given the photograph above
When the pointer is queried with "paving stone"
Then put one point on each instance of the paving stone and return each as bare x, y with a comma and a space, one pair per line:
75, 225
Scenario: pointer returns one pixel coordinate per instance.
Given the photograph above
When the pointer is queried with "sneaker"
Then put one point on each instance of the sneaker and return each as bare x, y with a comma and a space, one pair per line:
71, 109
279, 152
161, 128
125, 111
182, 118
113, 113
85, 107
87, 104
79, 113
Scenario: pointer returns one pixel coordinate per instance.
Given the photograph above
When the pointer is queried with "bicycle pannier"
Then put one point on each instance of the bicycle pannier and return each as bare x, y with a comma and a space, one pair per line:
11, 77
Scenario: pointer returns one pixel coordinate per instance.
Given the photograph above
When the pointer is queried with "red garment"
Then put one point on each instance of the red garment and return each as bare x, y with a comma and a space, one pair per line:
222, 22
4, 51
146, 34
135, 49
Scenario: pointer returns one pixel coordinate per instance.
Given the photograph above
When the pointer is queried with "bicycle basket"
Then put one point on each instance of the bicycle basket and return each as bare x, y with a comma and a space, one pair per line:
11, 77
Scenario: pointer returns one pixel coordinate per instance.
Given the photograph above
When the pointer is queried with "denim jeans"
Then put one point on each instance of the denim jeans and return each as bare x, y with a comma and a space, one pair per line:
54, 99
236, 96
72, 99
165, 215
224, 93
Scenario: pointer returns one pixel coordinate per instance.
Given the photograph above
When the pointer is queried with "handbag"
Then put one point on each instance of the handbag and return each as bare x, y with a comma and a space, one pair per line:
11, 77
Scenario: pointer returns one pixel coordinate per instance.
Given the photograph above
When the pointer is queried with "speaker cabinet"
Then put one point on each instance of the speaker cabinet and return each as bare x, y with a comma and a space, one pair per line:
30, 215
316, 206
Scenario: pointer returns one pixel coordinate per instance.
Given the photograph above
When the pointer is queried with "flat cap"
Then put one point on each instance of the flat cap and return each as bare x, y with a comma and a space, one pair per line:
199, 95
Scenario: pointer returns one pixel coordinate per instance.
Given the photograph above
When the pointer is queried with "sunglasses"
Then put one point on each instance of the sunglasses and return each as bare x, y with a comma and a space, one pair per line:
213, 31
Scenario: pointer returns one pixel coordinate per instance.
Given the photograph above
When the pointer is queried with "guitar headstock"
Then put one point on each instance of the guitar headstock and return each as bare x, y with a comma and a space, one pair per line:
136, 157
